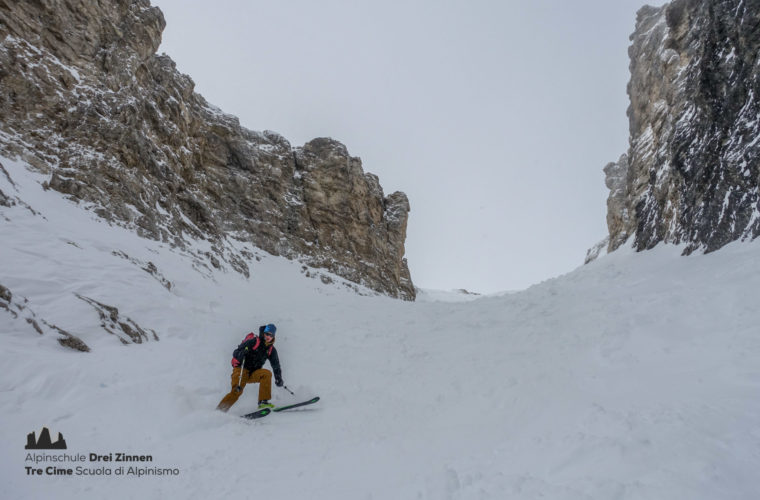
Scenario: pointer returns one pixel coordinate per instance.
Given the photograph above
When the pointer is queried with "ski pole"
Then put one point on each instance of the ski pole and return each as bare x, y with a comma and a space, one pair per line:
240, 381
286, 388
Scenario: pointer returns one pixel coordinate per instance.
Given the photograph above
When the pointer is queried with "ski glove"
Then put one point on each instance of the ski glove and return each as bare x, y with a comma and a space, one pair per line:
235, 362
278, 381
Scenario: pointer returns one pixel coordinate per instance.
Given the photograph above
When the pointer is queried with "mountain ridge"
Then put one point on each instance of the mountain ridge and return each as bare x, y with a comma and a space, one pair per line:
85, 99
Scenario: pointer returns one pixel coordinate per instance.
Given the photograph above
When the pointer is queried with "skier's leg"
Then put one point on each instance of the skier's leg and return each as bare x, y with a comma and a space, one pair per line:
230, 399
263, 377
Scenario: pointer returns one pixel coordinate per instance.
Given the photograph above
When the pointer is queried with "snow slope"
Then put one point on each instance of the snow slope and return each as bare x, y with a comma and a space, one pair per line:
633, 377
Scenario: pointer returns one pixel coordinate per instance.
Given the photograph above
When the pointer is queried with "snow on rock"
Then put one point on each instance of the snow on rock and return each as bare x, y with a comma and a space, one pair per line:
85, 99
692, 173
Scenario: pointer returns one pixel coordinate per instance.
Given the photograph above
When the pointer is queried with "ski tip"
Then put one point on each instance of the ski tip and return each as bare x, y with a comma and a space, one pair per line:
257, 414
296, 405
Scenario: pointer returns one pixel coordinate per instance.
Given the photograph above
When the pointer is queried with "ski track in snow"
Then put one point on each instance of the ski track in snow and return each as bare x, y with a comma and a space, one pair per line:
635, 376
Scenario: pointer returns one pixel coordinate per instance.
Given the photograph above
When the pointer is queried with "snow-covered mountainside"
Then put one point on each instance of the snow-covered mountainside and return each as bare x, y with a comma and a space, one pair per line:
692, 173
85, 99
635, 376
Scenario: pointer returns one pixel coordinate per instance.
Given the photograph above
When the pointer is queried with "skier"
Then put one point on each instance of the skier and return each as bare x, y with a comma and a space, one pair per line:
247, 367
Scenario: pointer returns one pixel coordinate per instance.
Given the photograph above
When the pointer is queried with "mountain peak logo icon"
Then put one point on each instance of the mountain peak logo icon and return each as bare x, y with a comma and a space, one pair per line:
44, 442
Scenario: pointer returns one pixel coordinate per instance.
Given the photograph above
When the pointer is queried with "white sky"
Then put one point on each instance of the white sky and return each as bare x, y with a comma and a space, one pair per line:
494, 117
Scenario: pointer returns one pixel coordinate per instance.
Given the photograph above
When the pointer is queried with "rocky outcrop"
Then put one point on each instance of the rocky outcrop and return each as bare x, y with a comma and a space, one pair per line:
20, 311
85, 99
125, 329
692, 173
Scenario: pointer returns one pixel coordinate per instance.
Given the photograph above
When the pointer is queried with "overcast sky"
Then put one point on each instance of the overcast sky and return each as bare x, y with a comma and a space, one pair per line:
494, 117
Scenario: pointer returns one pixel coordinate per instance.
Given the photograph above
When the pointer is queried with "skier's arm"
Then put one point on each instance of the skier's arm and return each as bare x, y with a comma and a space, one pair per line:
274, 360
239, 354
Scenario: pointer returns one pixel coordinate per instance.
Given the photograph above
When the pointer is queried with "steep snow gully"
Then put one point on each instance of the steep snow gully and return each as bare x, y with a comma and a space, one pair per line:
635, 376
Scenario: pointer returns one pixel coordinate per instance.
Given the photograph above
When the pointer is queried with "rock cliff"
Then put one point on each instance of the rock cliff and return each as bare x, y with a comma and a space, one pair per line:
692, 172
85, 99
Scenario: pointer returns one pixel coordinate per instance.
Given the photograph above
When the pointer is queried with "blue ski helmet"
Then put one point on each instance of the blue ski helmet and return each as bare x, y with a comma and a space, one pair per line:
270, 328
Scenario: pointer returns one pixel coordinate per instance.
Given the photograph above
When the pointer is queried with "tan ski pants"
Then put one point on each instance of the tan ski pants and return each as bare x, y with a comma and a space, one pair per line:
262, 376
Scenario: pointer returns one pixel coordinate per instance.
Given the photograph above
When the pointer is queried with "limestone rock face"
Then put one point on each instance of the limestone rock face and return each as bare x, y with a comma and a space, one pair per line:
85, 99
692, 173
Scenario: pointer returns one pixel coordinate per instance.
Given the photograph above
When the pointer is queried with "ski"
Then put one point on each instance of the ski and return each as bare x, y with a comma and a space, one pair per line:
266, 411
296, 405
258, 413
